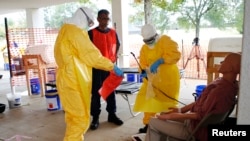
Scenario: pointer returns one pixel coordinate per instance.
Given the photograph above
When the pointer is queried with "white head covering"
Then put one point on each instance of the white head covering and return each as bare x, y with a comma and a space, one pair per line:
79, 18
148, 31
150, 37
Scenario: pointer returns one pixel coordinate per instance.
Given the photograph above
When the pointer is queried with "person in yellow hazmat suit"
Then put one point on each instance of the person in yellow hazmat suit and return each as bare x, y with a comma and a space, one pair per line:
158, 61
75, 56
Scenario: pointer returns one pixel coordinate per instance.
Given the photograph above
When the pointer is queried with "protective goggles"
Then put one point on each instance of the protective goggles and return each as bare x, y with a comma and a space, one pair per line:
150, 40
90, 22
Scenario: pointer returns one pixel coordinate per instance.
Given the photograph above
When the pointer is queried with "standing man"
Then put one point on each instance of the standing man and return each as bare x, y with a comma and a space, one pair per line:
75, 56
106, 40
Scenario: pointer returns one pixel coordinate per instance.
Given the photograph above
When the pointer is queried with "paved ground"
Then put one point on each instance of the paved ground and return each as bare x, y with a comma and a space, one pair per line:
32, 118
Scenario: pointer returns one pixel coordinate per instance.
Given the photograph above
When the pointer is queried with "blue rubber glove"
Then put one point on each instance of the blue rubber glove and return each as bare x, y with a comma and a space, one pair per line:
118, 71
155, 65
143, 74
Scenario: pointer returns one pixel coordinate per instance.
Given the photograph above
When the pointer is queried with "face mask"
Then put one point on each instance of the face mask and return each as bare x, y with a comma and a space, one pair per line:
151, 43
85, 28
150, 40
151, 46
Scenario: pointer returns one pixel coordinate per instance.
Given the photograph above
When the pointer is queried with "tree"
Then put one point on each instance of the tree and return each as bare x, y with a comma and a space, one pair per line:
147, 10
237, 12
151, 12
55, 15
192, 12
198, 13
226, 14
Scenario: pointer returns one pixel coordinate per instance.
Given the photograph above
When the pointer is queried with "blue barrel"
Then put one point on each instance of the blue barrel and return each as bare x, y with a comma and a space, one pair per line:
35, 86
52, 100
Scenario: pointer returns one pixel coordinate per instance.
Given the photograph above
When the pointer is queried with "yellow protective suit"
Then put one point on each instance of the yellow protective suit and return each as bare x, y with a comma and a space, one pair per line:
75, 56
167, 78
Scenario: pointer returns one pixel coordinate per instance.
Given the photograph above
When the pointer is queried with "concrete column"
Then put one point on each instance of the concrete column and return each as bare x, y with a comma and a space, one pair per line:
35, 20
244, 95
120, 22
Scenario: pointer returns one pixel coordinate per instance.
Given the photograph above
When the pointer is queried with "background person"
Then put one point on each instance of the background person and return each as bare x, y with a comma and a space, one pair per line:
158, 57
106, 40
75, 56
218, 97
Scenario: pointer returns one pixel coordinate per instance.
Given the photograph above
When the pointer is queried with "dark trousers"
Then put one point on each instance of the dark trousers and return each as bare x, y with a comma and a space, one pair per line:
98, 77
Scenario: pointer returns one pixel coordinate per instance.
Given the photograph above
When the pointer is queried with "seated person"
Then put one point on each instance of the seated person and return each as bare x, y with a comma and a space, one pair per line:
217, 97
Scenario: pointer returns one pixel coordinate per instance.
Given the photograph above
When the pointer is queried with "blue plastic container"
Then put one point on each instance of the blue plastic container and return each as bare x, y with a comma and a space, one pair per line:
198, 91
139, 78
52, 100
131, 78
7, 67
35, 86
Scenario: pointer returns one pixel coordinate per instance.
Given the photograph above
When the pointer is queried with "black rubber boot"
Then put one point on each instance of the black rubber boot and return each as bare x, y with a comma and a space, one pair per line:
95, 123
144, 129
114, 119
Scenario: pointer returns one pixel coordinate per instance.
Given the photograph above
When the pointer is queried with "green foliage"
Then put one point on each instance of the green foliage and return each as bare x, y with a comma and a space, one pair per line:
138, 17
160, 17
227, 15
55, 15
174, 5
239, 17
19, 22
2, 32
83, 1
160, 3
203, 13
216, 16
185, 23
196, 10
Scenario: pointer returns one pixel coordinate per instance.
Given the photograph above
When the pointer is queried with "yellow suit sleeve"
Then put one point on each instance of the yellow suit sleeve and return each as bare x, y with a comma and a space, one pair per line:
143, 59
89, 54
171, 54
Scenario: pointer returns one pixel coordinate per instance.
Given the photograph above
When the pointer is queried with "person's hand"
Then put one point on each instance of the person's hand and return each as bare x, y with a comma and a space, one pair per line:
143, 74
118, 71
174, 110
155, 65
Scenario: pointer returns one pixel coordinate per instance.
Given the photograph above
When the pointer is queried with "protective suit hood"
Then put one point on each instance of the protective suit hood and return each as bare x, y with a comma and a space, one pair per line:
83, 18
149, 34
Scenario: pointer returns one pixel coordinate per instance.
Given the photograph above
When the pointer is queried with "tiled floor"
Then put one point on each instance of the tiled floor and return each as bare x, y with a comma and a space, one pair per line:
32, 119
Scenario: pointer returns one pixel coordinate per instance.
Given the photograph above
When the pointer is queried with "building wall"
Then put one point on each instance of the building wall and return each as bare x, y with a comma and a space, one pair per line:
244, 95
